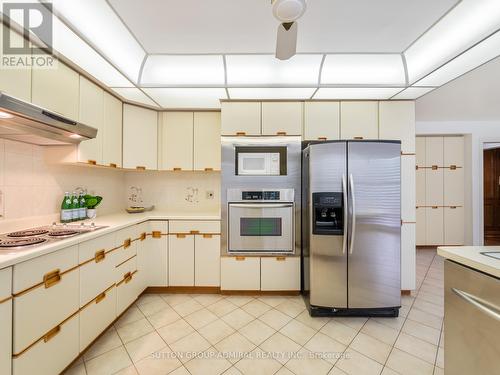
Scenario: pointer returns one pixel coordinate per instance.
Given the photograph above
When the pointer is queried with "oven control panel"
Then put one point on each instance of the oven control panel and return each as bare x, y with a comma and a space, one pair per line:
260, 195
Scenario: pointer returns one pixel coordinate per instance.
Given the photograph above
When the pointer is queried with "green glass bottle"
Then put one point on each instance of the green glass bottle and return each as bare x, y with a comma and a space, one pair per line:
82, 212
75, 207
66, 209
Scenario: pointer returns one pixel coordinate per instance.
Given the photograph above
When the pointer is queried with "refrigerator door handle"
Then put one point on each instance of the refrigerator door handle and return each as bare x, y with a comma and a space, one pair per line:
346, 214
353, 217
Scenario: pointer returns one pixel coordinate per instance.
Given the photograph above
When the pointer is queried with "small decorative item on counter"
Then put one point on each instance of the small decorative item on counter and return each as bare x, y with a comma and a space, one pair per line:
66, 212
91, 202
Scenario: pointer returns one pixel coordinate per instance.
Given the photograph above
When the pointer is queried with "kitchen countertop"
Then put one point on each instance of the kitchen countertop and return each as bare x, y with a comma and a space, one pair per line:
471, 256
113, 222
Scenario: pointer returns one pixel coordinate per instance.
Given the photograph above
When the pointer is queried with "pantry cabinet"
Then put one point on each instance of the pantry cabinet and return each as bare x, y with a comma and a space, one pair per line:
15, 81
282, 118
420, 186
454, 226
321, 121
207, 260
434, 188
434, 225
280, 273
420, 152
454, 182
140, 137
397, 122
112, 131
176, 139
241, 118
57, 90
92, 114
434, 155
359, 120
206, 142
240, 273
421, 235
453, 155
181, 260
5, 320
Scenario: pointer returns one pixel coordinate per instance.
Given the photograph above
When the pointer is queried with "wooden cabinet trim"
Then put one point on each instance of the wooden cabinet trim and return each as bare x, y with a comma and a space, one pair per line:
42, 283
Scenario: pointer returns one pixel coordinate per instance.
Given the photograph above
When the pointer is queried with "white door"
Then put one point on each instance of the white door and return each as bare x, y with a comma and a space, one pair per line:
176, 139
91, 114
207, 260
282, 118
321, 120
207, 146
180, 260
240, 118
359, 120
397, 121
112, 131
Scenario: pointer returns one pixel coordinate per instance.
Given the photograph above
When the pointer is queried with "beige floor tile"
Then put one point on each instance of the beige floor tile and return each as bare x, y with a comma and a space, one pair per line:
187, 307
380, 332
298, 332
131, 370
355, 363
153, 306
284, 371
176, 299
407, 364
440, 358
290, 308
329, 349
425, 318
275, 319
395, 323
144, 346
163, 317
272, 301
76, 370
222, 307
160, 363
308, 364
421, 331
281, 347
200, 318
147, 298
180, 371
216, 331
404, 310
238, 318
208, 299
109, 362
239, 300
339, 332
175, 331
133, 314
354, 322
441, 340
315, 323
208, 363
371, 347
234, 344
256, 308
257, 332
336, 371
429, 307
192, 343
258, 363
388, 371
109, 340
134, 330
437, 300
407, 300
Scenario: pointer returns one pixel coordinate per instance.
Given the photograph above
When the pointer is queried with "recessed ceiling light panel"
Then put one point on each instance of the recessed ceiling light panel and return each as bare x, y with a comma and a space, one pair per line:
271, 93
134, 95
413, 93
356, 93
187, 97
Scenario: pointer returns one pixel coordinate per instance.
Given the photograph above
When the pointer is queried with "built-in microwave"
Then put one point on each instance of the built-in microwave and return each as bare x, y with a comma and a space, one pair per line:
259, 163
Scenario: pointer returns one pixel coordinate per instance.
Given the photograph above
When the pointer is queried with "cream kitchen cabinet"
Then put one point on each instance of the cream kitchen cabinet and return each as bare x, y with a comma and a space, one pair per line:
321, 121
56, 90
453, 152
420, 152
282, 118
454, 185
408, 256
5, 320
421, 236
176, 141
397, 121
112, 131
206, 142
434, 225
420, 187
180, 260
454, 225
152, 258
92, 114
280, 273
408, 188
434, 178
359, 120
241, 118
207, 260
140, 137
434, 155
15, 81
240, 273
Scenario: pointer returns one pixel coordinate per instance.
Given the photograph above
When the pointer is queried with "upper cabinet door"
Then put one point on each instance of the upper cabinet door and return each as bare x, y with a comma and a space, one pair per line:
112, 131
434, 155
397, 122
420, 151
91, 114
241, 118
15, 81
321, 121
359, 120
57, 90
140, 137
207, 140
176, 140
282, 118
453, 151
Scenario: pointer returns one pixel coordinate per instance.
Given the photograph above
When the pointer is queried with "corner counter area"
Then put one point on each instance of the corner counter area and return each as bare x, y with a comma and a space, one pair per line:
472, 309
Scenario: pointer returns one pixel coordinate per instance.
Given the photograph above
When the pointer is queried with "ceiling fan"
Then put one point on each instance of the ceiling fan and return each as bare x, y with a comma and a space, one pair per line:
287, 12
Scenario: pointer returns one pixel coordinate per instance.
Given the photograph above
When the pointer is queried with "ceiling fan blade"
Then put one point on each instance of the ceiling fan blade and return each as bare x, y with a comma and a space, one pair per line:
286, 43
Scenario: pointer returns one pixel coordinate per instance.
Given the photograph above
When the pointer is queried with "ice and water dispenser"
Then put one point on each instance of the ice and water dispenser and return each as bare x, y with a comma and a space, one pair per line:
328, 213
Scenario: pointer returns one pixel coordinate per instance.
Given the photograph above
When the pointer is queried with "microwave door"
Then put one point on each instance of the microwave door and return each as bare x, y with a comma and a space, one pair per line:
252, 164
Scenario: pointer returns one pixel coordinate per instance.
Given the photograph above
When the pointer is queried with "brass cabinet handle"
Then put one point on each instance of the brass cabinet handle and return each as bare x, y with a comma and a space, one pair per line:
194, 231
177, 169
99, 256
434, 167
207, 235
127, 243
453, 207
281, 133
241, 133
52, 278
179, 235
453, 167
51, 334
280, 259
127, 277
100, 297
435, 207
240, 258
358, 137
113, 165
209, 169
142, 237
416, 167
156, 234
140, 168
322, 138
91, 162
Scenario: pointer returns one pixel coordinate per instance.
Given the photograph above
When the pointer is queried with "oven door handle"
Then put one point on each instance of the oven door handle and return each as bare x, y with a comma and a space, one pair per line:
257, 205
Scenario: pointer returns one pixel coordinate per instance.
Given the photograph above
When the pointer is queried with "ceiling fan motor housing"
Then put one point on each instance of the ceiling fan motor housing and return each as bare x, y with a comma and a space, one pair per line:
288, 10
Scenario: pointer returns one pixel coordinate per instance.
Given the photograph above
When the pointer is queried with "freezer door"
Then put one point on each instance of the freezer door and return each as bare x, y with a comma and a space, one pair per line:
374, 224
328, 252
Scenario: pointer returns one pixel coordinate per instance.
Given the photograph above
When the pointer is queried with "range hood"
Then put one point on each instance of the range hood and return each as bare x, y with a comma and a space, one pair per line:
25, 122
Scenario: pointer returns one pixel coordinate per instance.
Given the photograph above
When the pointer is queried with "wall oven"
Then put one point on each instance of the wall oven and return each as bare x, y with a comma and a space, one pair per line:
261, 221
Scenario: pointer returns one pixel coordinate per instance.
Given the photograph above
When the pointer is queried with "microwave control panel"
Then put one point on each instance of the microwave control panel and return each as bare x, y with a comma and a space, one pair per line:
260, 195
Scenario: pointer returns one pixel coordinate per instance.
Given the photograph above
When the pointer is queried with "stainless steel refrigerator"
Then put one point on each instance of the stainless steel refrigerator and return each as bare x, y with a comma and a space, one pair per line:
352, 227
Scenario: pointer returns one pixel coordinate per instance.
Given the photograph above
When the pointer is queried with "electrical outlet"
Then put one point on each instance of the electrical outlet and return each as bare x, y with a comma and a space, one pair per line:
210, 194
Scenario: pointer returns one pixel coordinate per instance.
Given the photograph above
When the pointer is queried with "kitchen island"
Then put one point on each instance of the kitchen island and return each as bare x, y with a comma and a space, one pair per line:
472, 309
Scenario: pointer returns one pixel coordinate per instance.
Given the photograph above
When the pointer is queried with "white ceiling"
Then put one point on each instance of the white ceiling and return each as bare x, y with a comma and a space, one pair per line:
248, 26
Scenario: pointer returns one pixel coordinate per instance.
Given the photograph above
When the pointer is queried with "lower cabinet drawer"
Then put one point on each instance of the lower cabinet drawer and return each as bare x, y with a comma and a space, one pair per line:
194, 227
127, 292
42, 308
127, 239
5, 283
96, 316
96, 275
125, 268
240, 273
5, 337
52, 353
280, 273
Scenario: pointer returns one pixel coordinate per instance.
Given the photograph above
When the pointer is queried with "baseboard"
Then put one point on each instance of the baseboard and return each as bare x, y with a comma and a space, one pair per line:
405, 292
261, 292
182, 289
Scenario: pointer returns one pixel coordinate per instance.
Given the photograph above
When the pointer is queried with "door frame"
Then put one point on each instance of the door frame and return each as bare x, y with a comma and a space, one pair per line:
482, 142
